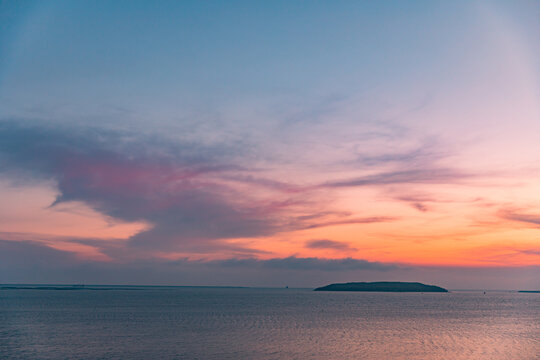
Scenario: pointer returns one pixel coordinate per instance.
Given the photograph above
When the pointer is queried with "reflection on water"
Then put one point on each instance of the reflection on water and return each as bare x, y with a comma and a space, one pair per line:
213, 323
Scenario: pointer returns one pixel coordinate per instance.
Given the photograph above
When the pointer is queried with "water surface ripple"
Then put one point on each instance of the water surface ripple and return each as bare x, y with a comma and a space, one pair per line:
222, 323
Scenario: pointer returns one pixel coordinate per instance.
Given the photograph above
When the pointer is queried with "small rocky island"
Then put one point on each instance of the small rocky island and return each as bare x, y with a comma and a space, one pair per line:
384, 286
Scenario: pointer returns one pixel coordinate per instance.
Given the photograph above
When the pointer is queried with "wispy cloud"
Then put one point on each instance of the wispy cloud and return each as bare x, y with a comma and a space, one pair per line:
347, 221
530, 251
415, 176
427, 154
328, 244
520, 216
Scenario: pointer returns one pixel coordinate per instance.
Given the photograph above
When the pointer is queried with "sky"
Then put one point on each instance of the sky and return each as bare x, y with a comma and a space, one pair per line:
270, 143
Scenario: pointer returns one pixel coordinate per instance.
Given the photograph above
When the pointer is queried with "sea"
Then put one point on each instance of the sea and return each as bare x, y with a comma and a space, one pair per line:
131, 322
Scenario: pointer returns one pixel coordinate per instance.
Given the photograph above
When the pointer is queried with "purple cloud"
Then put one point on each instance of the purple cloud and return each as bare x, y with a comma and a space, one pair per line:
328, 244
182, 189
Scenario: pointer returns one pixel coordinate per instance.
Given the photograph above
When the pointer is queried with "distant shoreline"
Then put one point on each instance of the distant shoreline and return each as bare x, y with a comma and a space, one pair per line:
383, 286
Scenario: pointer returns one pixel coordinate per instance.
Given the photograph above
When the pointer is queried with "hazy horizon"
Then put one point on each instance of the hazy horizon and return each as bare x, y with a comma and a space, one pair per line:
29, 286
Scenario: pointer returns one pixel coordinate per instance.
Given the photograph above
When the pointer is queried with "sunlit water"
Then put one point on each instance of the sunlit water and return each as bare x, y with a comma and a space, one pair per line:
214, 323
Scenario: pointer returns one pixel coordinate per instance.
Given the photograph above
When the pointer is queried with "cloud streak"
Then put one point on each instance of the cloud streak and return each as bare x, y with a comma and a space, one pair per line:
328, 244
518, 216
415, 176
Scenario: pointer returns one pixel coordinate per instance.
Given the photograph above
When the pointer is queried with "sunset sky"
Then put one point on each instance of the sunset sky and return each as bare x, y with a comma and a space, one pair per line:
270, 143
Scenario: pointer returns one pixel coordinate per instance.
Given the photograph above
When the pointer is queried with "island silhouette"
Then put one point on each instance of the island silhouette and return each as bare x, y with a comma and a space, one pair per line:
382, 286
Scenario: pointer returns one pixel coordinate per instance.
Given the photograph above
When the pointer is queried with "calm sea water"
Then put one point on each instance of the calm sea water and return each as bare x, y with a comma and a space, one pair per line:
220, 323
